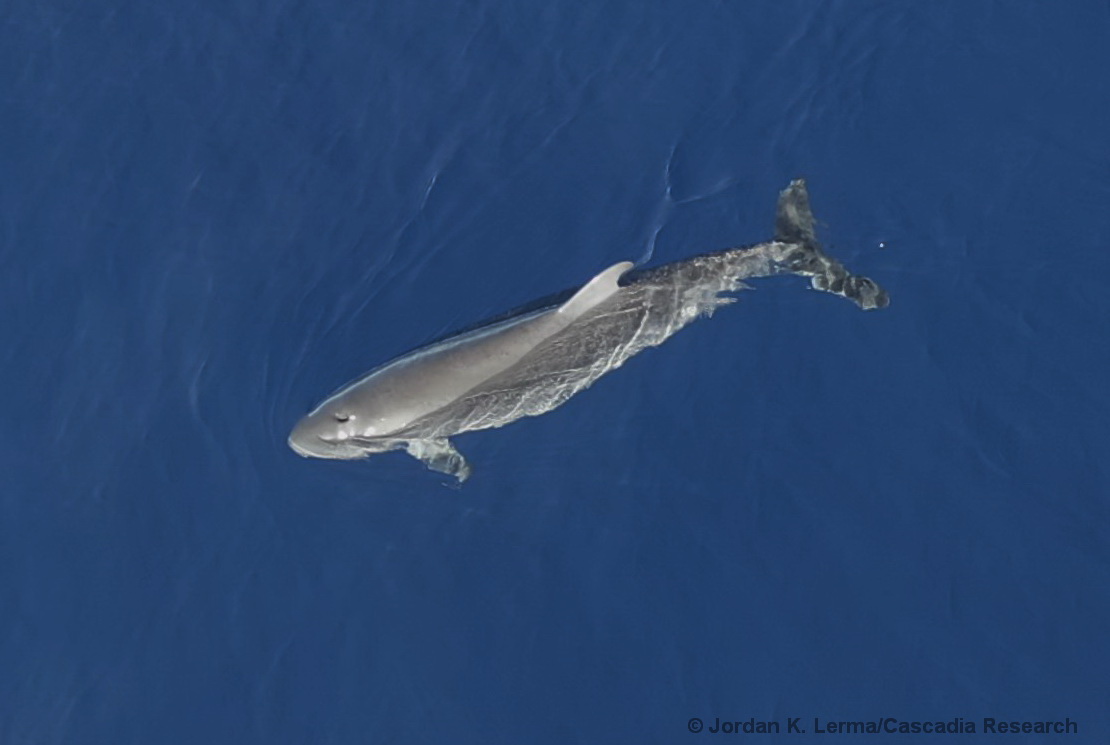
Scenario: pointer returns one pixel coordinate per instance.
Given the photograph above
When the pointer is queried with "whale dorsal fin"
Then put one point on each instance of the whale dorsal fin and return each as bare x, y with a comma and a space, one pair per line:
596, 290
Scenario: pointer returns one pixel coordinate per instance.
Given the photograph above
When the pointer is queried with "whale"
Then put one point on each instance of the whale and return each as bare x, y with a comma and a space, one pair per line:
531, 361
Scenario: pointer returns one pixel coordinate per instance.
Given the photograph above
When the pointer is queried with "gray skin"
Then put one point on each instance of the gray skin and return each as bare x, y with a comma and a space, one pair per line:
531, 363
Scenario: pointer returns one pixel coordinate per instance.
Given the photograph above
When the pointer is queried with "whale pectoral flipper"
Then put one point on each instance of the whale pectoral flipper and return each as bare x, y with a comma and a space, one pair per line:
439, 455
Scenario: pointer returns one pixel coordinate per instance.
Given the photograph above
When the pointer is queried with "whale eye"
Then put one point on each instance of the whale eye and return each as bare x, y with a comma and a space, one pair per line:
342, 417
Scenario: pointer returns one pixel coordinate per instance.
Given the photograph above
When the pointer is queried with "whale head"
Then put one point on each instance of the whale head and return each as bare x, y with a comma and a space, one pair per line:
340, 430
327, 432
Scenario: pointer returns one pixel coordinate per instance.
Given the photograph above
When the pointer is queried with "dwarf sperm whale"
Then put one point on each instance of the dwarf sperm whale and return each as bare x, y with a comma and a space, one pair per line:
533, 361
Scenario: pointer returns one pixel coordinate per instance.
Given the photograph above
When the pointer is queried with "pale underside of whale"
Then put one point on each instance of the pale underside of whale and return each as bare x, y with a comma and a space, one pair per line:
531, 363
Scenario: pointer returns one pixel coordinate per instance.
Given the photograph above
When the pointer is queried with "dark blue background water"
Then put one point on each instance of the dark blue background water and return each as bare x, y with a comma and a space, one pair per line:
214, 213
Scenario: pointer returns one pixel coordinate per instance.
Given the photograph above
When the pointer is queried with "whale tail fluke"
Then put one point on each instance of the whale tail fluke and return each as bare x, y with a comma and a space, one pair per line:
794, 221
794, 224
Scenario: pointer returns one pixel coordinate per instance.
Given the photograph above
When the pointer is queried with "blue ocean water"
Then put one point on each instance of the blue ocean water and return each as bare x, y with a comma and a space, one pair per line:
212, 214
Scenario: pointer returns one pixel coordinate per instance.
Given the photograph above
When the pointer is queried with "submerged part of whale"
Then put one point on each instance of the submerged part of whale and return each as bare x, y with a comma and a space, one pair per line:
530, 363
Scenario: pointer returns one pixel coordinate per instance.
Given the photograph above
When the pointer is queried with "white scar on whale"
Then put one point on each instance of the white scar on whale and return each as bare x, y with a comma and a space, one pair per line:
533, 361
